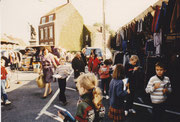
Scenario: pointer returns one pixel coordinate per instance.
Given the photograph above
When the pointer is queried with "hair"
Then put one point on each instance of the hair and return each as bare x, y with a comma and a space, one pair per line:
90, 82
110, 61
44, 48
119, 72
78, 53
134, 58
83, 49
160, 64
106, 62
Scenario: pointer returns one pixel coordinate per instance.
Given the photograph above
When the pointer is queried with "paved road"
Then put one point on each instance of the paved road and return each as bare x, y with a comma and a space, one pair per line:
27, 105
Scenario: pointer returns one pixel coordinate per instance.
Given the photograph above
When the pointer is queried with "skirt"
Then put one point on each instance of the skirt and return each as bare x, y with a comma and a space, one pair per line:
116, 114
48, 75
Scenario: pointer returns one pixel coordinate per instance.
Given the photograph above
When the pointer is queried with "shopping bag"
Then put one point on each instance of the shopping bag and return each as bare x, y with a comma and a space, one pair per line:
40, 81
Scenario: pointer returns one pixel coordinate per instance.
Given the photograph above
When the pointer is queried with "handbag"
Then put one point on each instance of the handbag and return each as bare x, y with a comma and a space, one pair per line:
40, 81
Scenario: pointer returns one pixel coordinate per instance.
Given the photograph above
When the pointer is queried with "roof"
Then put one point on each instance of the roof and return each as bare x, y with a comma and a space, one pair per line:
13, 40
55, 10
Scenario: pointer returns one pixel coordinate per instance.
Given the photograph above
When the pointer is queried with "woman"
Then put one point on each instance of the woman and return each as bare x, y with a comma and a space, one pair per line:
93, 64
47, 62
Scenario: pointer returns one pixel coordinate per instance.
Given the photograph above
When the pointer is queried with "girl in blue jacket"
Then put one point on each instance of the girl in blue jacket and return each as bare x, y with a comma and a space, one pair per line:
117, 94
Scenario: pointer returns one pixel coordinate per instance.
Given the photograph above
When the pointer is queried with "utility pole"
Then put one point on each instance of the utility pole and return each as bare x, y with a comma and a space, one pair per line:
104, 30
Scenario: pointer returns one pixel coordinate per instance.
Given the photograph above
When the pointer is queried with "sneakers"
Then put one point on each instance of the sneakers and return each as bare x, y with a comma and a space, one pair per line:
107, 97
7, 102
132, 111
125, 113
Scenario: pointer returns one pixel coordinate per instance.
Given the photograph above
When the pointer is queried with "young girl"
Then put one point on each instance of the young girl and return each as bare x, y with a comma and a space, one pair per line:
90, 108
3, 82
117, 94
105, 77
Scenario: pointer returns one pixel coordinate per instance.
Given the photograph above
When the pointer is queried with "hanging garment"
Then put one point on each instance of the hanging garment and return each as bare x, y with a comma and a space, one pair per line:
126, 58
154, 23
161, 17
169, 12
118, 57
158, 42
140, 23
175, 16
118, 39
149, 47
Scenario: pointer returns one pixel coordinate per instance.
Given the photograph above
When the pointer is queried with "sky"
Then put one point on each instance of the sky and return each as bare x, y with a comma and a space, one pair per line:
16, 14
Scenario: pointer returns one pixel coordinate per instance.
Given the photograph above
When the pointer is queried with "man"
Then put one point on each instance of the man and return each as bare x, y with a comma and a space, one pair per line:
78, 65
84, 56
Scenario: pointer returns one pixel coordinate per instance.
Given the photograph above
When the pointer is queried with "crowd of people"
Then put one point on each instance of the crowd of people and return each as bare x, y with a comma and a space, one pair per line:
112, 87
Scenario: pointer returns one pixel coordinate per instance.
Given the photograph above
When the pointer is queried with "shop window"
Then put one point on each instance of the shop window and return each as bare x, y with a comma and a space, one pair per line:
42, 34
51, 32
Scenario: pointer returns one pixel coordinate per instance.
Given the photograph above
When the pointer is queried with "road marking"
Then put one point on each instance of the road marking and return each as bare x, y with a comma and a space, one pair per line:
71, 88
142, 105
53, 116
148, 106
50, 101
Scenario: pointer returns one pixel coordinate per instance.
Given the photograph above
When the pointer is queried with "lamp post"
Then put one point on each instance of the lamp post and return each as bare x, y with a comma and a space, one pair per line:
104, 30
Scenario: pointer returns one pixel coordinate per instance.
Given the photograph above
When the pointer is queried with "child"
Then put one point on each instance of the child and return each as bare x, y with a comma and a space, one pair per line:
130, 71
90, 108
105, 77
158, 87
63, 72
3, 82
117, 94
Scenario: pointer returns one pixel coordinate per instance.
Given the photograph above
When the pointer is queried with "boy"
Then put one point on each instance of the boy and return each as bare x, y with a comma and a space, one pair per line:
158, 87
131, 70
3, 82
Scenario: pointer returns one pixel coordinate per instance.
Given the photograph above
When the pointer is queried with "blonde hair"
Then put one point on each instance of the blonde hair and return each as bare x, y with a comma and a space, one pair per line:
89, 82
134, 58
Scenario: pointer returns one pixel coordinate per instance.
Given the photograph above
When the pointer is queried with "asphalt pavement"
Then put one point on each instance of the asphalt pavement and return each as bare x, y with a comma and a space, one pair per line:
28, 106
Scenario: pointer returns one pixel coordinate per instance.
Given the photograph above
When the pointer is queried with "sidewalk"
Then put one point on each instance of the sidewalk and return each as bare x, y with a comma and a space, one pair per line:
23, 77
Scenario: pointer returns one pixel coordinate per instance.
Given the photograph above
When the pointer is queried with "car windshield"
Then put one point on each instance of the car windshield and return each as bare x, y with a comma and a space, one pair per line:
98, 52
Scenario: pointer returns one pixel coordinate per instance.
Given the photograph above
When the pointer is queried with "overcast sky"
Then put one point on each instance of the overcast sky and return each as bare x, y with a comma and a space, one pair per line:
15, 14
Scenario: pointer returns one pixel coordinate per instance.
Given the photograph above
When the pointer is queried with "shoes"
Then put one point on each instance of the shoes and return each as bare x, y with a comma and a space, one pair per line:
107, 97
132, 111
125, 113
50, 92
65, 103
44, 97
7, 102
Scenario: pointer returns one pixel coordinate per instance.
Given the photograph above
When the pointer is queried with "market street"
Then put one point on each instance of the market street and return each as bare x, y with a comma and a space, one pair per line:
28, 106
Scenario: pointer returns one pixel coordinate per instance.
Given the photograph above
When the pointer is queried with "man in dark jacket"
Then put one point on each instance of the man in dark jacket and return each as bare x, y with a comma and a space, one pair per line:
78, 65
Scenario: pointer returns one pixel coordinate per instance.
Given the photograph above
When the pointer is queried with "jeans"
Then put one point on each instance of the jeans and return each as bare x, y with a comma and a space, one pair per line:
62, 87
3, 92
158, 112
105, 83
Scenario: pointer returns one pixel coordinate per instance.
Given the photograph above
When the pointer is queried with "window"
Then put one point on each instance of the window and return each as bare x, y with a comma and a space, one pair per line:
46, 33
42, 34
51, 18
43, 20
51, 32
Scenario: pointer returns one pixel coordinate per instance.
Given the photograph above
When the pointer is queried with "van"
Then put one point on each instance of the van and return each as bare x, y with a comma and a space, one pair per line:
99, 52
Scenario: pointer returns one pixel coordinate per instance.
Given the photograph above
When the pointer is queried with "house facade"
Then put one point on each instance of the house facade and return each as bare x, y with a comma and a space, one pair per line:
62, 27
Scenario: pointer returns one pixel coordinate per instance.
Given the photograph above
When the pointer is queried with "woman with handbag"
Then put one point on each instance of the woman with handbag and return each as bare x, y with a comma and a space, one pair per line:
48, 63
